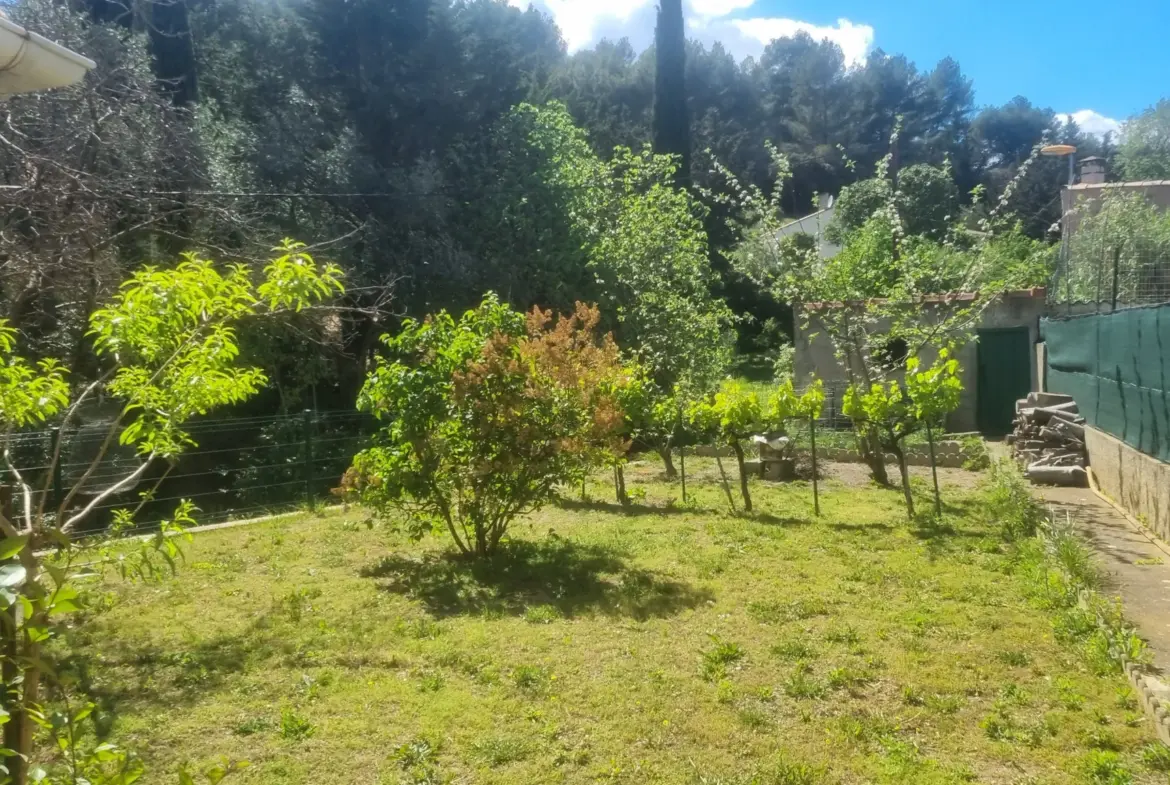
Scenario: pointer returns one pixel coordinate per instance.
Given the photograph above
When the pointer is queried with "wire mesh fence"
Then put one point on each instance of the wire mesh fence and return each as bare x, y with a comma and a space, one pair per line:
239, 468
1115, 254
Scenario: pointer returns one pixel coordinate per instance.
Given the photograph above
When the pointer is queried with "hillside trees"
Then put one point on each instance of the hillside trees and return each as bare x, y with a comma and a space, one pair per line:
1144, 152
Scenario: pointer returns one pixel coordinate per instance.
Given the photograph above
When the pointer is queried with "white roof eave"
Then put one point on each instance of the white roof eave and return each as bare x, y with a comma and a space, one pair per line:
30, 62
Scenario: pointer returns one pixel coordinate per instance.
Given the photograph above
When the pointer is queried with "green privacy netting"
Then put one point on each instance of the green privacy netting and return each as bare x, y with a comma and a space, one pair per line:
1117, 367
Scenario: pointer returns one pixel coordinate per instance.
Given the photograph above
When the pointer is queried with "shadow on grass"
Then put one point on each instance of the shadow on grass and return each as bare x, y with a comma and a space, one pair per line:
775, 520
571, 577
597, 505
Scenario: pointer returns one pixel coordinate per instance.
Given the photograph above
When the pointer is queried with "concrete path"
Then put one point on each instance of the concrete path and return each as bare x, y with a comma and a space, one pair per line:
1137, 566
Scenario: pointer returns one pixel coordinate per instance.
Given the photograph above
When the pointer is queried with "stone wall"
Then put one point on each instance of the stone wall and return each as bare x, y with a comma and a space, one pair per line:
1131, 478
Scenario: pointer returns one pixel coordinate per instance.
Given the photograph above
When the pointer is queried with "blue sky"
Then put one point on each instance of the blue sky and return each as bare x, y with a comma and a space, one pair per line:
1100, 61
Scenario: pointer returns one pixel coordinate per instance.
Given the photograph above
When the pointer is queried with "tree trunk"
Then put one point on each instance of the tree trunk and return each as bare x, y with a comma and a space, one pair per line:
904, 470
726, 486
668, 462
743, 478
619, 485
874, 456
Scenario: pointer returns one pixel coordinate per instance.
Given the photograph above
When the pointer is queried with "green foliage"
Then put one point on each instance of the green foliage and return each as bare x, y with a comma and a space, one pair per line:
28, 393
646, 246
927, 202
1144, 151
168, 341
294, 726
1124, 228
484, 416
892, 411
719, 656
173, 334
1010, 501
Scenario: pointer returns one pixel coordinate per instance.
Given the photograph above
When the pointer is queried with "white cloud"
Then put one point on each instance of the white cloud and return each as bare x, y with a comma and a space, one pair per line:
579, 19
584, 22
1093, 122
855, 40
713, 9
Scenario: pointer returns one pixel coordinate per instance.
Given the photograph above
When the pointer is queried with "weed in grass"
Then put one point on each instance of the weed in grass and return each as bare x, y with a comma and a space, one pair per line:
726, 692
721, 654
253, 725
500, 750
1103, 767
911, 696
846, 678
765, 694
541, 614
1068, 696
1156, 757
293, 726
775, 612
431, 681
1100, 738
845, 635
794, 649
416, 752
295, 604
419, 629
754, 717
1126, 699
1012, 694
1149, 562
944, 704
786, 773
530, 678
802, 684
1015, 659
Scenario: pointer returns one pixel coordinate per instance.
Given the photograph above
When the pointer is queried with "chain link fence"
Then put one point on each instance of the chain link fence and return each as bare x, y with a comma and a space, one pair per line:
239, 468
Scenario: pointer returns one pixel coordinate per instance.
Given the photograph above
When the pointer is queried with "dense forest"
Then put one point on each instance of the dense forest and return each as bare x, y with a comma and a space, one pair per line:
381, 133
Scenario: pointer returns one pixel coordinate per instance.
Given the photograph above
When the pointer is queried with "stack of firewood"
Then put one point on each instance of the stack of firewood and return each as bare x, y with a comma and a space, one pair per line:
1049, 439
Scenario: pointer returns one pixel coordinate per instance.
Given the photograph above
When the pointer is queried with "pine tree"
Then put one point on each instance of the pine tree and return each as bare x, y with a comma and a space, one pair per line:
671, 124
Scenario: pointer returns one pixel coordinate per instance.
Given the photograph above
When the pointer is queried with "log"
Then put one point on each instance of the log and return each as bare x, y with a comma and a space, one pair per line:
1069, 429
1047, 411
1047, 399
1072, 417
1074, 476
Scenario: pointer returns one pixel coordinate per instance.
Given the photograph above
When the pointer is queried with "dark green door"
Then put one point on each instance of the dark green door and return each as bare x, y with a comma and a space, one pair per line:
1005, 375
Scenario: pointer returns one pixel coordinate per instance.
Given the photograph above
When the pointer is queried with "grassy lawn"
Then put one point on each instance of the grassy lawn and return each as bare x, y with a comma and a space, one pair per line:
666, 645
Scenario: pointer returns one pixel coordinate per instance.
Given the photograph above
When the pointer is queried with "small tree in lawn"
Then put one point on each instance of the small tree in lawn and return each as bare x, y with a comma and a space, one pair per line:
733, 415
934, 393
887, 413
485, 415
167, 351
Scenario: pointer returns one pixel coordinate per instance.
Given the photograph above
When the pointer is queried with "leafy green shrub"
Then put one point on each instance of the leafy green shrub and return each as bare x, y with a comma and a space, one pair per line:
721, 654
976, 458
484, 416
1010, 502
295, 727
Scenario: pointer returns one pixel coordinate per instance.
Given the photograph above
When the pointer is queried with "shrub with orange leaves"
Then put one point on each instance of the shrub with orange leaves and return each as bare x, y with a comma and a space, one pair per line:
485, 416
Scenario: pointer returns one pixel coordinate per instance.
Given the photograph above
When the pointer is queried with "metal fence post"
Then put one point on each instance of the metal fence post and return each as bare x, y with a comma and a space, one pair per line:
308, 438
812, 431
58, 485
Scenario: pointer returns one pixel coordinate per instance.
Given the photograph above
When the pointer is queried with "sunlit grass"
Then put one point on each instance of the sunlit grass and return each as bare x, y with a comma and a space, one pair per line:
668, 644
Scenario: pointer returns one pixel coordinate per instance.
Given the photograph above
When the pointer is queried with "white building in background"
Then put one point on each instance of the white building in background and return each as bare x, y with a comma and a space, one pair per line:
814, 224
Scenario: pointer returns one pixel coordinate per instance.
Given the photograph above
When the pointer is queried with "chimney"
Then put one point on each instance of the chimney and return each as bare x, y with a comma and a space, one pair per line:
1092, 170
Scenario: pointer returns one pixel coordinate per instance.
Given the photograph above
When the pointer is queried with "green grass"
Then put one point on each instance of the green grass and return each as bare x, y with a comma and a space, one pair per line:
671, 644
